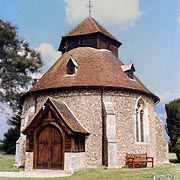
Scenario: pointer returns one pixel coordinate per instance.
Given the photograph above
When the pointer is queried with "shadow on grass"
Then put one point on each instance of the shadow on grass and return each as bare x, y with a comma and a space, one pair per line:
173, 158
174, 161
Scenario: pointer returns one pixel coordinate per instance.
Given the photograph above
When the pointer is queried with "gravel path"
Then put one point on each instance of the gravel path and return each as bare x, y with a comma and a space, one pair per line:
35, 174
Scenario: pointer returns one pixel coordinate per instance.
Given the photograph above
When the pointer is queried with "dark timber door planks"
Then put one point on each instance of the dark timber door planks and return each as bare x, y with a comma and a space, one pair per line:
49, 148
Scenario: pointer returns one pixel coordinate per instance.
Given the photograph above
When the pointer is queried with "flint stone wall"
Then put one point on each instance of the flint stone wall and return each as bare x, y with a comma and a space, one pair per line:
87, 106
161, 143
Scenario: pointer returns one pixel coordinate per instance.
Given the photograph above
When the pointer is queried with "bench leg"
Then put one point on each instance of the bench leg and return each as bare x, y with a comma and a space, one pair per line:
133, 164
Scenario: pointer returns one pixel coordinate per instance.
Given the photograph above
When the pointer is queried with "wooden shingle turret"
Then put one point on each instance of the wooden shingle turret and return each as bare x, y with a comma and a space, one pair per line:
89, 33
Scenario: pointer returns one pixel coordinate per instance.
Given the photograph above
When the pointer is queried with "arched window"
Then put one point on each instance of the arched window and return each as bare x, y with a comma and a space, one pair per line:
137, 126
141, 126
141, 122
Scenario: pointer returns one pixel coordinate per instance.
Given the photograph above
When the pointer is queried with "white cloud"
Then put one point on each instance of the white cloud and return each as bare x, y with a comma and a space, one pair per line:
168, 96
116, 13
165, 98
49, 55
178, 20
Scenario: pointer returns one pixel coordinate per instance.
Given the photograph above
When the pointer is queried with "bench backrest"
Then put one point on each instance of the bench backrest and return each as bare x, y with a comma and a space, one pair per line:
136, 156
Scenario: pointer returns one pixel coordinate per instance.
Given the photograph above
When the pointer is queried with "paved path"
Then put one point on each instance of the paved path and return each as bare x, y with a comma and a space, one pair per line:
35, 174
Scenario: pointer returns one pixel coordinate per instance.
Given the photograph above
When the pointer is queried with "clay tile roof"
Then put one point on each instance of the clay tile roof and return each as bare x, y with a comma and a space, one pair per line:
96, 68
68, 117
89, 26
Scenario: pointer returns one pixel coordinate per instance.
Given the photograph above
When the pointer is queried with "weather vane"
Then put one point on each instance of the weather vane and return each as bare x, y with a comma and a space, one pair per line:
89, 7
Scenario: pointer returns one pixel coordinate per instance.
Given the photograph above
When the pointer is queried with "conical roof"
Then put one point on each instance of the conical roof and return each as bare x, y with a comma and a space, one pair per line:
96, 68
89, 26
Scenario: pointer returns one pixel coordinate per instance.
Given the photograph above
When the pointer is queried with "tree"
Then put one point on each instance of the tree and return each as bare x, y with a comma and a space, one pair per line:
17, 63
12, 135
173, 125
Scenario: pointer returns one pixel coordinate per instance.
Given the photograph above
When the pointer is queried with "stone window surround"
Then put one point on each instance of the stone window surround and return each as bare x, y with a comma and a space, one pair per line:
141, 109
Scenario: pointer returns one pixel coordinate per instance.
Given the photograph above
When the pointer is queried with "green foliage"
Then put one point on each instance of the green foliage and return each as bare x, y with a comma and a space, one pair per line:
12, 135
173, 125
176, 149
170, 147
17, 63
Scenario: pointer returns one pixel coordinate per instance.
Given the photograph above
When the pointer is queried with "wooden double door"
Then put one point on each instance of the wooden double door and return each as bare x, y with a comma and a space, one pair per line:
49, 150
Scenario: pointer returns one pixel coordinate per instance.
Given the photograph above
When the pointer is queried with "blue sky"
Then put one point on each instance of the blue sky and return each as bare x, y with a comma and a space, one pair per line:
148, 29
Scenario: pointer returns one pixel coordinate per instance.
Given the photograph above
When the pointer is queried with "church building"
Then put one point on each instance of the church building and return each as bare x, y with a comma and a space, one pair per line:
89, 109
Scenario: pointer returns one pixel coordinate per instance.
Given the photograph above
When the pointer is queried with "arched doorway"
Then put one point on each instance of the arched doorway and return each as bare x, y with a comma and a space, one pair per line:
49, 148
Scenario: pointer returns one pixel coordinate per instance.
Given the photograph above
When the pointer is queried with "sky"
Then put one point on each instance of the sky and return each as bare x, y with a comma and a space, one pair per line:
148, 29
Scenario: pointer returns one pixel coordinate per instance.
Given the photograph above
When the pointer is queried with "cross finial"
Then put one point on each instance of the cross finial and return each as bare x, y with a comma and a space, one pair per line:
89, 7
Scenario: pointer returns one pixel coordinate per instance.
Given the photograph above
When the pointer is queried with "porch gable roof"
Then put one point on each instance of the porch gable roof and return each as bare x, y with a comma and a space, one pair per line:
68, 119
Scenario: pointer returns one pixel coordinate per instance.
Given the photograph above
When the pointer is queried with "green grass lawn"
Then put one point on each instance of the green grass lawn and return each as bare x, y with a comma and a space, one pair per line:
6, 162
172, 170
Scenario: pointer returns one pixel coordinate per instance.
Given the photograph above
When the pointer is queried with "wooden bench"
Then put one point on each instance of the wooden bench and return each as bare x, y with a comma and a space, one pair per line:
132, 160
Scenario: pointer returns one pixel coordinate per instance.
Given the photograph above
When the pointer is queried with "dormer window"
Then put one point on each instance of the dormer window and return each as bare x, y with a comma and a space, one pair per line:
130, 74
71, 66
129, 70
